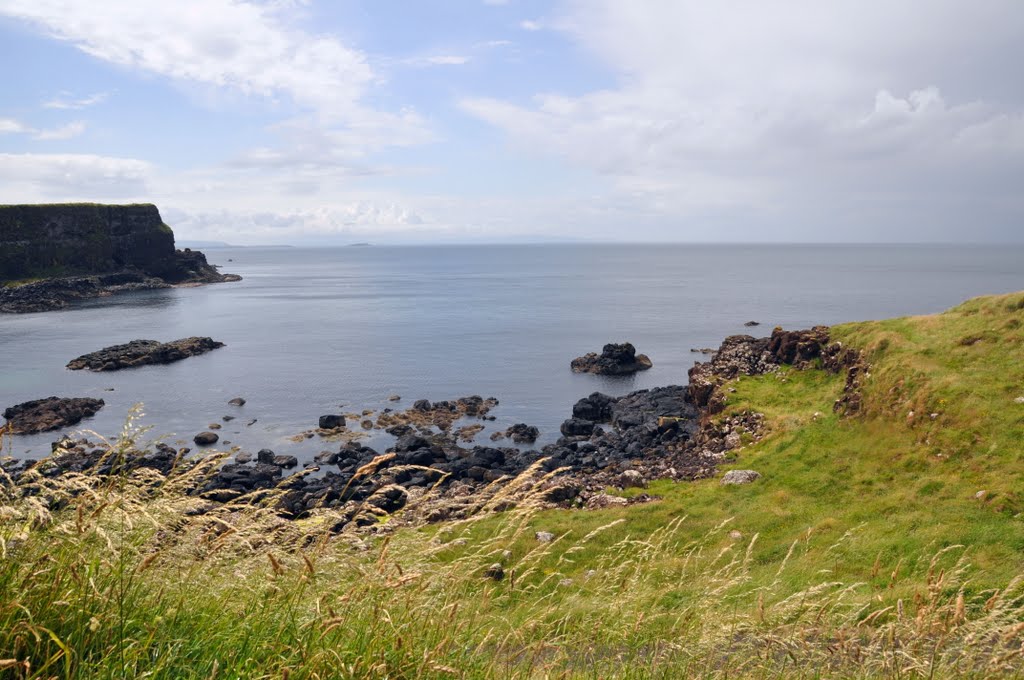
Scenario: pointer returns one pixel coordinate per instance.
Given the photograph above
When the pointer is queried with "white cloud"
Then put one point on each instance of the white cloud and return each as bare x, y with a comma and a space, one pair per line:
530, 25
447, 59
63, 132
67, 177
788, 110
328, 223
437, 60
65, 100
11, 126
242, 46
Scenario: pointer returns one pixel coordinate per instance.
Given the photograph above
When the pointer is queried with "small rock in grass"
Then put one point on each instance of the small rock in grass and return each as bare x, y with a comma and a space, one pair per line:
603, 500
632, 479
495, 572
981, 495
1019, 400
740, 477
735, 535
544, 536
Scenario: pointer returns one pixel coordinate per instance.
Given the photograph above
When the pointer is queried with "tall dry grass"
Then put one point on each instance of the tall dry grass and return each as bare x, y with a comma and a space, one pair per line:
131, 576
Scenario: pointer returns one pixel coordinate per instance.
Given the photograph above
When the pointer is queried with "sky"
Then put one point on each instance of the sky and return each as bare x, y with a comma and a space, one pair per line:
435, 121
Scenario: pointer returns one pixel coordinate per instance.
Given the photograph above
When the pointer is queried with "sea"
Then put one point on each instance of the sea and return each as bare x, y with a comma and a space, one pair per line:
312, 331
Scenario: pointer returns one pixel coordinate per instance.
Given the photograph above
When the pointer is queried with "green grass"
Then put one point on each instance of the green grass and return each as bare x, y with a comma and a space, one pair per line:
863, 551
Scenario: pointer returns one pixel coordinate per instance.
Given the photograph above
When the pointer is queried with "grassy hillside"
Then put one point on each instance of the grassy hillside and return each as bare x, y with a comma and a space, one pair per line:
889, 543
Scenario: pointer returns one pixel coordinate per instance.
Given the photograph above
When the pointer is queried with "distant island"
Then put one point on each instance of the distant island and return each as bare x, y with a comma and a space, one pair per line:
51, 254
359, 245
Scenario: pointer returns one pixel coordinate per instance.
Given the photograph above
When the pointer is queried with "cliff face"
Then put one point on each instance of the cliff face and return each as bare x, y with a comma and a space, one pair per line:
41, 241
84, 250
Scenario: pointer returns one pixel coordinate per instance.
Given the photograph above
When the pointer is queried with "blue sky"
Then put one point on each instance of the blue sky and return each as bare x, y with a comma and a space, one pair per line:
293, 121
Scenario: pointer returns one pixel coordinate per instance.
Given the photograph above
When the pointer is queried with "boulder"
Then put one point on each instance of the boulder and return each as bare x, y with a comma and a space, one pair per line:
206, 438
577, 427
596, 407
237, 401
285, 461
331, 422
740, 477
52, 413
389, 498
615, 359
521, 433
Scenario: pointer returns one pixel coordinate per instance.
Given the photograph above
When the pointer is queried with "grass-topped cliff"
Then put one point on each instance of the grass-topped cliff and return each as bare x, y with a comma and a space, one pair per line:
885, 543
47, 240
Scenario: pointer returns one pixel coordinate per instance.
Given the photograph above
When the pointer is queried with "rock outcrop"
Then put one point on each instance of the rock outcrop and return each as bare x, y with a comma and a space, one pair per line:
142, 353
52, 413
82, 250
614, 359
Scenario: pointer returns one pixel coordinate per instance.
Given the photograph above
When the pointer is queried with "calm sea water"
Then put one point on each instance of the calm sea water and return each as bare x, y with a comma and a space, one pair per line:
313, 331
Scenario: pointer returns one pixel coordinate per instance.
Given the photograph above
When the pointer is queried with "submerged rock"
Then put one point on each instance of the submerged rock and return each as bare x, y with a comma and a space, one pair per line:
615, 359
52, 413
143, 352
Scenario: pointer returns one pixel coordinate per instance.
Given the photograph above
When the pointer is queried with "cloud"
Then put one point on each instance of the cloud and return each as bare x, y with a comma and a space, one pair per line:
63, 132
438, 60
530, 25
242, 46
324, 224
781, 114
30, 177
11, 126
65, 100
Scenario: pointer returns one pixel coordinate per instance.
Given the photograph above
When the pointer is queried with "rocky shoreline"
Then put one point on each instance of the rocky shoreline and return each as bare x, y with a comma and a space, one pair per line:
58, 293
672, 432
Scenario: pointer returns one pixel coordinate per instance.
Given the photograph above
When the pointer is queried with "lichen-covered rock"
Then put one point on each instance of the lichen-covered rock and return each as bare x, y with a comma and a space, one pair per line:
740, 477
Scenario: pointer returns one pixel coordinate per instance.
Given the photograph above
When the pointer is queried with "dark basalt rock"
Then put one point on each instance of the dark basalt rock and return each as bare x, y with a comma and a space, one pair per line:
143, 352
521, 433
331, 422
52, 413
206, 438
615, 359
577, 427
596, 407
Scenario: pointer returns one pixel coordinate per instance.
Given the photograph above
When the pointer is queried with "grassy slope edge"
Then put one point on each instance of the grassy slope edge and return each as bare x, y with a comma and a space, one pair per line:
864, 550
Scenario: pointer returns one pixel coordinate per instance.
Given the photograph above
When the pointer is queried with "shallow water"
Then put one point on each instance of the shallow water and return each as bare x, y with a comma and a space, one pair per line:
313, 331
